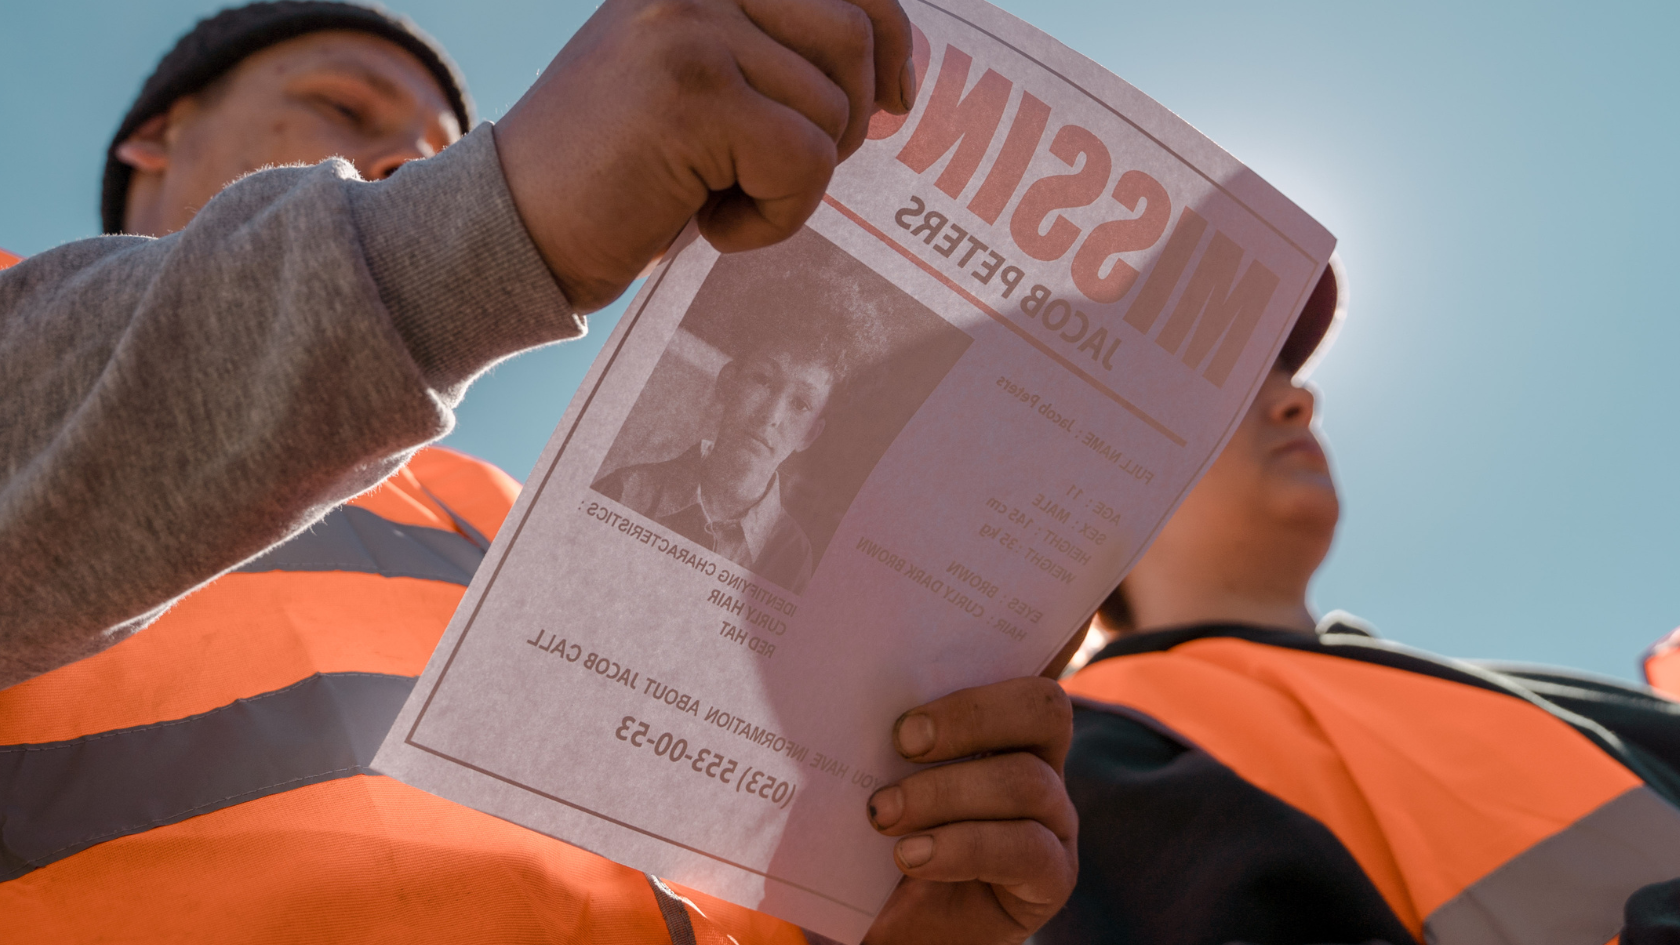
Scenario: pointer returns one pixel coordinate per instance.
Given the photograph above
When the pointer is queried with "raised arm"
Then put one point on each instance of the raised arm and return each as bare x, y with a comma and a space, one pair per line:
178, 405
175, 406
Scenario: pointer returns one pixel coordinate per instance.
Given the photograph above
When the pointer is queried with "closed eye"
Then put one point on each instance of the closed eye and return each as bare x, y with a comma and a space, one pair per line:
343, 110
349, 99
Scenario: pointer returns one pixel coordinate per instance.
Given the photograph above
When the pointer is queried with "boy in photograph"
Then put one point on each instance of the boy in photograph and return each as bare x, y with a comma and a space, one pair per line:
725, 493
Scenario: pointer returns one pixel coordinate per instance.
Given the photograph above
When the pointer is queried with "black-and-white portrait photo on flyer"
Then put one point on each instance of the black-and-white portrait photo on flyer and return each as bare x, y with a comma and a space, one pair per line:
792, 372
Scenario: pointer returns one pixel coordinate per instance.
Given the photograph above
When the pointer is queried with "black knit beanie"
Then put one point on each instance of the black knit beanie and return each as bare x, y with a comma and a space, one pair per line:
220, 42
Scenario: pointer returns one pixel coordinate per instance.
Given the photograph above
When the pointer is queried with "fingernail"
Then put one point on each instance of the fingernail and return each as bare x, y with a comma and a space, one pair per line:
914, 851
886, 807
914, 735
907, 84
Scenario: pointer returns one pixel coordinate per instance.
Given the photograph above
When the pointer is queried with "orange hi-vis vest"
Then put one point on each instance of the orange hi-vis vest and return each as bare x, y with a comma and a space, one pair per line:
7, 260
207, 780
1662, 665
1482, 817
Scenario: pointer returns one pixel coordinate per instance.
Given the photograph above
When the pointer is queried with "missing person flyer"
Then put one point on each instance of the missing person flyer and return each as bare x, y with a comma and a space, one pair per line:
907, 451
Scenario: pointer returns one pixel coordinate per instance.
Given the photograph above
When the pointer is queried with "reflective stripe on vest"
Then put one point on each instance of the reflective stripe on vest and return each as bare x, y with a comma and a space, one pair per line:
352, 539
207, 780
1481, 818
1662, 665
60, 798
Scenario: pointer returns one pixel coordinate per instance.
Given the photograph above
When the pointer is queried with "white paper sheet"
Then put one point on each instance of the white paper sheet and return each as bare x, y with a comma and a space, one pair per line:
1021, 325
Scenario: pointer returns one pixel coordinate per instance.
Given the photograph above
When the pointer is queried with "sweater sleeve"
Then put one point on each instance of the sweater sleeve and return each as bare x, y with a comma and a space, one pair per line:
175, 406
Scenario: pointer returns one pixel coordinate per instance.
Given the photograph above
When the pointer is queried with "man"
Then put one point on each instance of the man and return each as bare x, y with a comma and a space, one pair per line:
193, 768
725, 493
1243, 775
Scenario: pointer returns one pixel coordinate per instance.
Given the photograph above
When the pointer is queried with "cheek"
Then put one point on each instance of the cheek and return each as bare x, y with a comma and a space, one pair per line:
205, 162
303, 139
1238, 467
739, 403
282, 133
241, 146
294, 134
741, 408
1233, 486
801, 428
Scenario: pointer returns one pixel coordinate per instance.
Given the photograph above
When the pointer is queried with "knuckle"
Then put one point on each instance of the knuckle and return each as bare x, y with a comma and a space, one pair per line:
854, 34
836, 111
1004, 848
940, 790
970, 843
1030, 789
698, 68
815, 157
1034, 846
1034, 780
1061, 710
1051, 704
1027, 785
666, 13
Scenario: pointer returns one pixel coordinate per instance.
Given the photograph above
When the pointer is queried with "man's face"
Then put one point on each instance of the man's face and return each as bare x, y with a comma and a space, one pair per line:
1272, 475
334, 93
772, 407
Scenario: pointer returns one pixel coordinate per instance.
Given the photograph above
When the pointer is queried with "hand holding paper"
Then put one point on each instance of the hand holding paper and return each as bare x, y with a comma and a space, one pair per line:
988, 852
657, 111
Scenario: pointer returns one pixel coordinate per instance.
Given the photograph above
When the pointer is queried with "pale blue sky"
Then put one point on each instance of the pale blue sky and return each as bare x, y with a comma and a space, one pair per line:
1502, 405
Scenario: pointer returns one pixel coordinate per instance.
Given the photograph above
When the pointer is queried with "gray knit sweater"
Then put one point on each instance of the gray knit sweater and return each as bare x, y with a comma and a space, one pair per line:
169, 408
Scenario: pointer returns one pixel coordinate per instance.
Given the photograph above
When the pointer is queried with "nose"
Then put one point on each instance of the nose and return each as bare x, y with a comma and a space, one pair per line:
777, 411
1293, 407
383, 162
